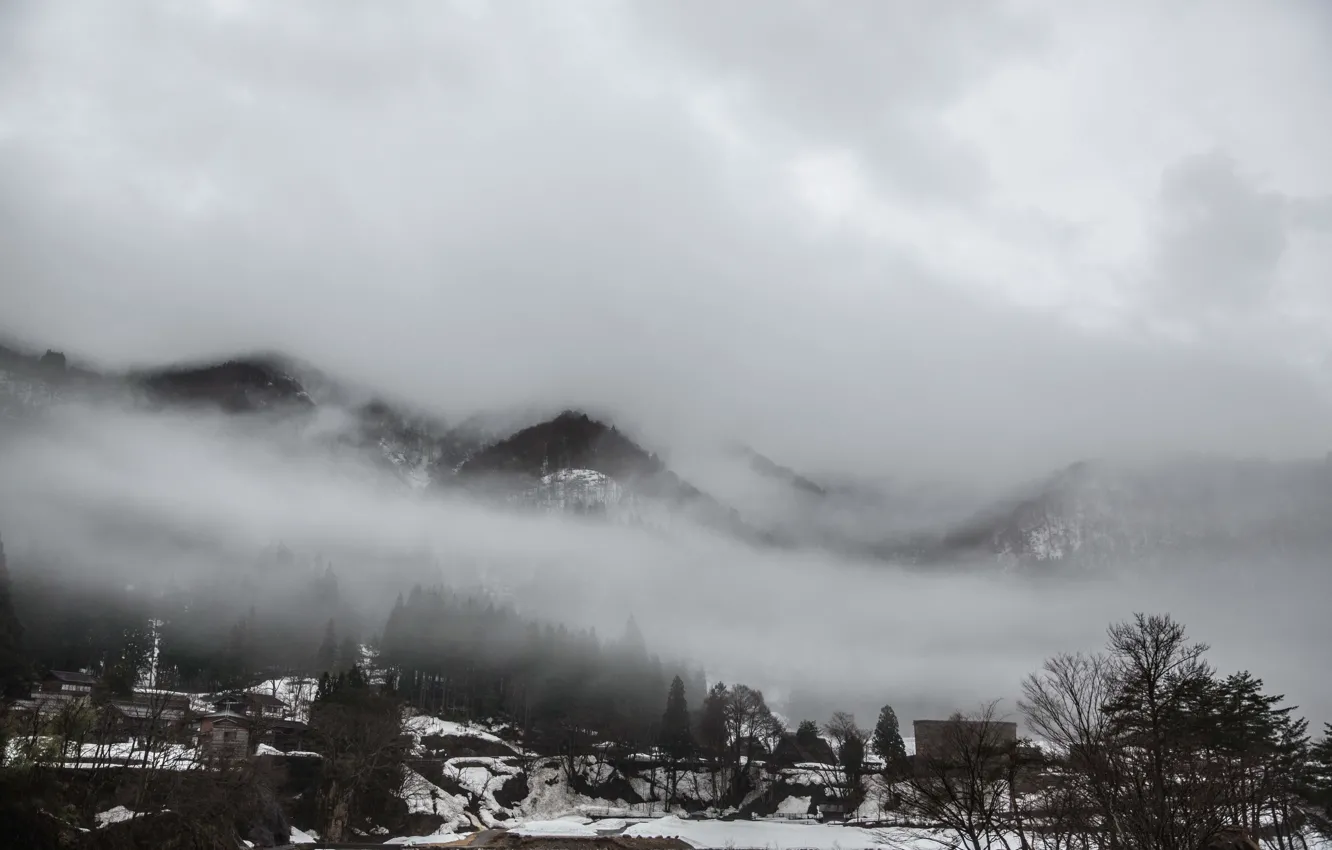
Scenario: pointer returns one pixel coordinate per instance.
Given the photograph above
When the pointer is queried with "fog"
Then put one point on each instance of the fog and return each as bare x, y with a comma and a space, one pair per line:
947, 245
959, 241
120, 495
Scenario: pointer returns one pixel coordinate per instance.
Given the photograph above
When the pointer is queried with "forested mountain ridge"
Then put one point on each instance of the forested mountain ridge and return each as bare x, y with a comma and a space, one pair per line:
1088, 515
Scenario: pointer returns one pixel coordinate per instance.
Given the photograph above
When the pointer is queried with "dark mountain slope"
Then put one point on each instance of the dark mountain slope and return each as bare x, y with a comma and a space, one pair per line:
237, 386
575, 441
571, 440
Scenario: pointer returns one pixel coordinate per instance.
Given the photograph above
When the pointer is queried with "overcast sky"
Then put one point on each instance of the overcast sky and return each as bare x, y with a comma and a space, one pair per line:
894, 236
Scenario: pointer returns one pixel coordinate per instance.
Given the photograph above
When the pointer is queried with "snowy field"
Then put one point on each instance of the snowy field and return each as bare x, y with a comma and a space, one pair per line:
714, 834
738, 835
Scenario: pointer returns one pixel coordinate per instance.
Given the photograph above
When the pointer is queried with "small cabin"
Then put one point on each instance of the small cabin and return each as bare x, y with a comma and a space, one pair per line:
225, 734
284, 735
954, 739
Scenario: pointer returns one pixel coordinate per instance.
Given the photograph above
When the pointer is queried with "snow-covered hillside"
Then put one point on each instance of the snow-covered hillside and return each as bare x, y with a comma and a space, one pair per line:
575, 491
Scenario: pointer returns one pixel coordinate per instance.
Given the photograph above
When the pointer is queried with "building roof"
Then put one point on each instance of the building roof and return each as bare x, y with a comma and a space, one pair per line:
265, 699
287, 725
143, 711
74, 678
226, 715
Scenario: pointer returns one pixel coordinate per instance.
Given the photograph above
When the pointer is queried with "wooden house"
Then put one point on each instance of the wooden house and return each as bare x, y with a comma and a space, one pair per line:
150, 714
69, 684
225, 734
949, 740
252, 705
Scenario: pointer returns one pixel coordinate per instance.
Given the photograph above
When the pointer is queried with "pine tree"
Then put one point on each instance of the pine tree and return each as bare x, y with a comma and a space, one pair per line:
888, 741
15, 673
676, 739
349, 652
327, 657
712, 735
1317, 790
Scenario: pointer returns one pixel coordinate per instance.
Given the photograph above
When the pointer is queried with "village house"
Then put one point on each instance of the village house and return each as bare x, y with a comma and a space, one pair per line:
266, 719
225, 734
252, 705
943, 740
57, 689
790, 751
69, 684
149, 714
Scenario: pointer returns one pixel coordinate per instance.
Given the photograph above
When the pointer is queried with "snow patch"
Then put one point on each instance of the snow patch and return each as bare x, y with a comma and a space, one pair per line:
115, 815
421, 726
761, 835
570, 827
298, 837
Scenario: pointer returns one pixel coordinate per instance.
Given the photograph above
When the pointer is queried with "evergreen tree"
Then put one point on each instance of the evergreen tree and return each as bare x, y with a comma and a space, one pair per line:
676, 740
807, 735
888, 741
349, 652
1316, 792
327, 657
712, 735
15, 673
357, 729
125, 662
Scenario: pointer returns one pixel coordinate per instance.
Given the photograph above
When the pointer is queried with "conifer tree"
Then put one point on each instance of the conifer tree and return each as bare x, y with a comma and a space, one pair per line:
327, 657
676, 741
807, 735
1317, 790
888, 741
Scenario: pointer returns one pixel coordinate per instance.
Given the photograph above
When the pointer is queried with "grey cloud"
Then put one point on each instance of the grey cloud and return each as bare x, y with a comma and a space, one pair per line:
870, 77
1224, 237
517, 207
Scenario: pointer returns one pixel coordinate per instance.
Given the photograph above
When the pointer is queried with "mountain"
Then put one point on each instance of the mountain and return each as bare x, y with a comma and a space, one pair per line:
1087, 516
767, 467
1094, 514
575, 460
237, 386
29, 382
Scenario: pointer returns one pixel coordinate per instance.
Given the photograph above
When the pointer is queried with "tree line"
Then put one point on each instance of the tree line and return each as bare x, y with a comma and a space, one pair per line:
1144, 746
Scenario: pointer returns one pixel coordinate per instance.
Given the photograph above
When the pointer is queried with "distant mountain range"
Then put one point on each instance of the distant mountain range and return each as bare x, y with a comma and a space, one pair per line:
1086, 516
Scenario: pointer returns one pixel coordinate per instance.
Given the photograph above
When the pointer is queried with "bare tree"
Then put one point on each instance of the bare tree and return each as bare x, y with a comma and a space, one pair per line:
358, 732
1144, 736
960, 787
850, 743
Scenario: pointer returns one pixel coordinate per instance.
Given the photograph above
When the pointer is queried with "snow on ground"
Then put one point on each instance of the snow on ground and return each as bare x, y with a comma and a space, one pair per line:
267, 750
115, 815
168, 757
794, 806
296, 691
768, 835
299, 837
421, 726
568, 827
424, 797
437, 838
